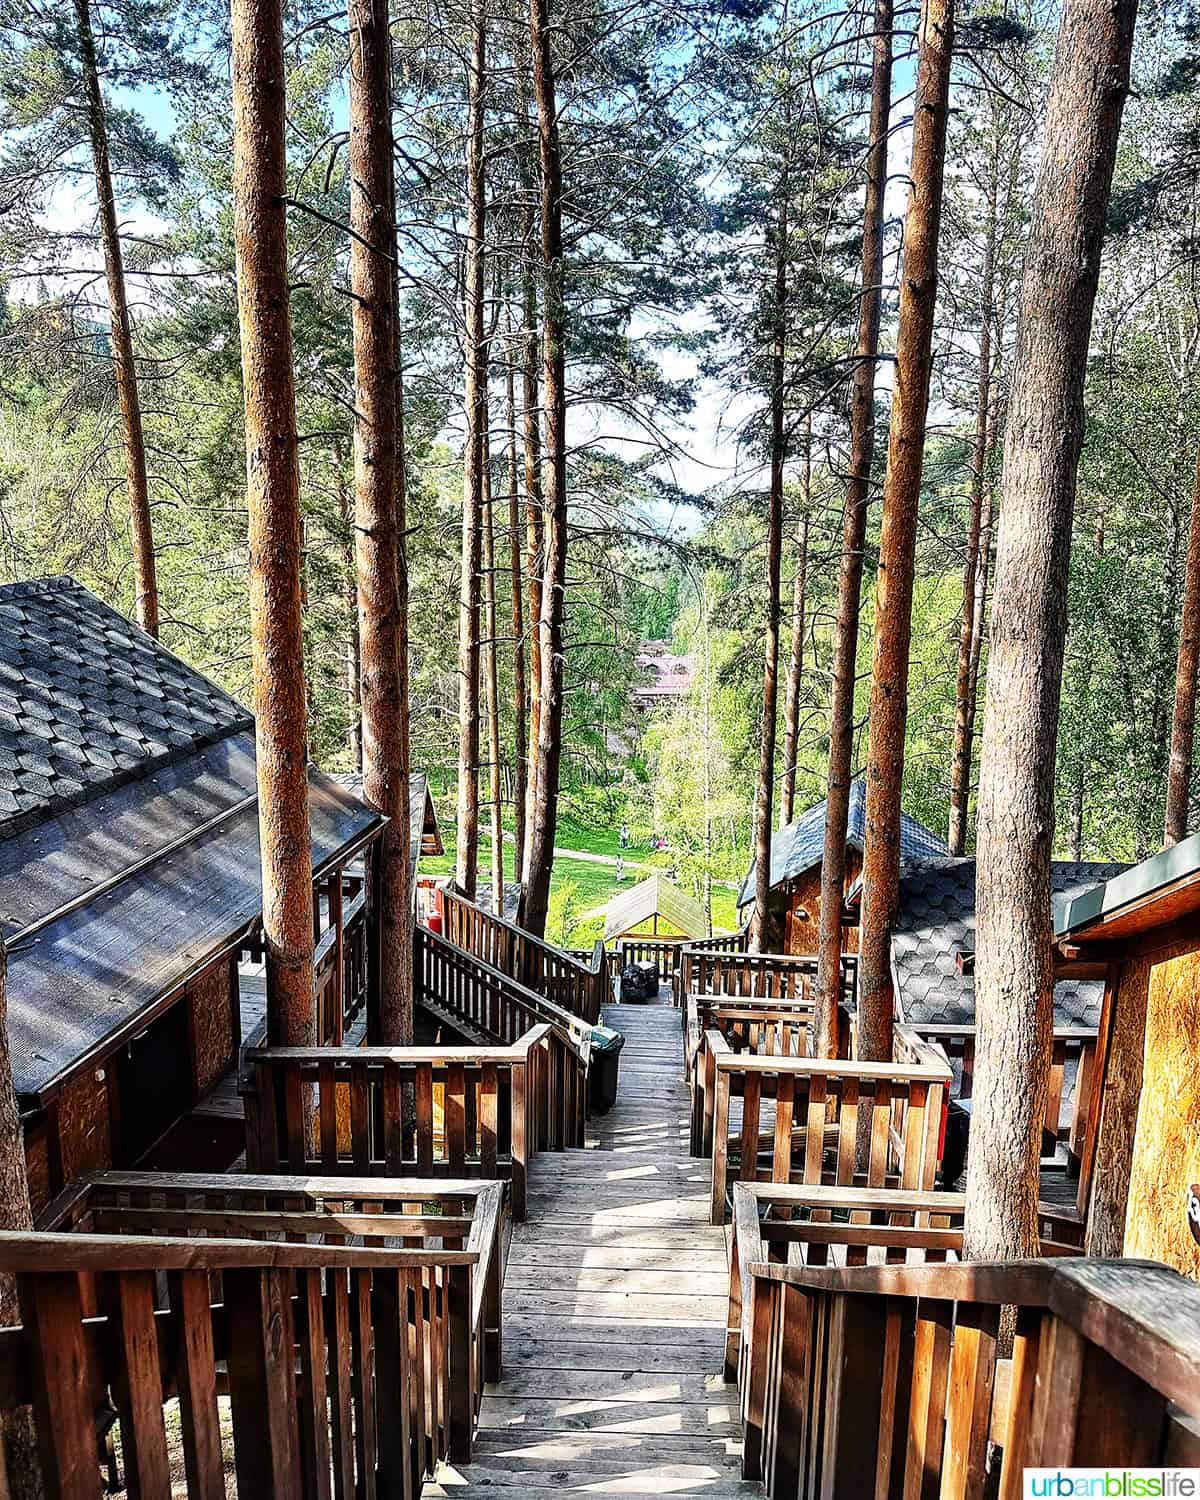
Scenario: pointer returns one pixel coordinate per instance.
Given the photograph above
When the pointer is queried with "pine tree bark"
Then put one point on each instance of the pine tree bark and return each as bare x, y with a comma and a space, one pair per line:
544, 816
491, 677
964, 707
535, 537
273, 500
761, 933
516, 588
791, 710
1043, 438
136, 482
378, 528
897, 544
844, 664
475, 361
1183, 723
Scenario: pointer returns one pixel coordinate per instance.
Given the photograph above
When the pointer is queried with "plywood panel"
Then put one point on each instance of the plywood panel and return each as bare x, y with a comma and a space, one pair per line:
1166, 1152
212, 1024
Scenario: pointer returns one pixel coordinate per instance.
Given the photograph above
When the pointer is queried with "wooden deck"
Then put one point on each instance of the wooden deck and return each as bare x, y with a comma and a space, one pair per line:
614, 1308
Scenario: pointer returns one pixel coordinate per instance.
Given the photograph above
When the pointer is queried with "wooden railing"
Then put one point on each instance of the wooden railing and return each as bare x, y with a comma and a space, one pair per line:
429, 1112
816, 1226
818, 1109
331, 1359
581, 988
1072, 1056
887, 1380
483, 1001
380, 1212
652, 950
726, 971
339, 956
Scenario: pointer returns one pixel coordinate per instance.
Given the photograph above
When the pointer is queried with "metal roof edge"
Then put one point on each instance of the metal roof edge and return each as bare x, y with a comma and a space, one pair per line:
1139, 880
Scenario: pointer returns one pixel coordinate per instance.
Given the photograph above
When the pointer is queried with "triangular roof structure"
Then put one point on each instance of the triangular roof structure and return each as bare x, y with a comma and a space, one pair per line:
800, 845
653, 897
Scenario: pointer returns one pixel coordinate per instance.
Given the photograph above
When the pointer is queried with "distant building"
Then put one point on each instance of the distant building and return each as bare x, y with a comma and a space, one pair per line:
797, 851
663, 678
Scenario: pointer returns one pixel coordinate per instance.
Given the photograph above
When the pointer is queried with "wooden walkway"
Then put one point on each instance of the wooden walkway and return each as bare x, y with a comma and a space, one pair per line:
614, 1308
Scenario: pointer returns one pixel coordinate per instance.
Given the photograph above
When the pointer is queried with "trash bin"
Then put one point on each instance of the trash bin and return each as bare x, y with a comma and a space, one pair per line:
639, 981
602, 1069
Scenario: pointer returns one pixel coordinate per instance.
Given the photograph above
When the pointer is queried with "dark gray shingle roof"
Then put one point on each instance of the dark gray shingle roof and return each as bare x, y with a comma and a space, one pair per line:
88, 701
801, 845
936, 921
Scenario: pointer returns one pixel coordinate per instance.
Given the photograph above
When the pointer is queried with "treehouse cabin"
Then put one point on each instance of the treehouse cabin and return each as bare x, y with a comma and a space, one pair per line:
1141, 930
797, 850
130, 896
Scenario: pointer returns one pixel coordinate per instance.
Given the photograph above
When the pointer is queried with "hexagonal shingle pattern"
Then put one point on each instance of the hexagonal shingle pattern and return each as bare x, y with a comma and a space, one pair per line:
88, 700
937, 921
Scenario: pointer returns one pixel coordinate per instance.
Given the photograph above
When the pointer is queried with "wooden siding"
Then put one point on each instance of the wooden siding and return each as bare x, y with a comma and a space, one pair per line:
212, 1022
802, 909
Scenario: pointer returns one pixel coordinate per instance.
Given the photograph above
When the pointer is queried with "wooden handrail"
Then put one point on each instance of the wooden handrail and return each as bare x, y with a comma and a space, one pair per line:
21, 1252
819, 1104
355, 1362
551, 972
482, 1112
884, 1379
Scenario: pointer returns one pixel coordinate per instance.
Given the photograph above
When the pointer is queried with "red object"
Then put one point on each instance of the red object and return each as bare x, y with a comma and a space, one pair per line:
942, 1131
435, 925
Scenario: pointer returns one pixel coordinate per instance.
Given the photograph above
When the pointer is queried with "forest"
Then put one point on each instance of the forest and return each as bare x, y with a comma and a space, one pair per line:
718, 408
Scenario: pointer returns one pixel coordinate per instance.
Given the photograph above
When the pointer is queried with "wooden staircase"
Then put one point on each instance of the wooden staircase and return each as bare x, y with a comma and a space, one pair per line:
614, 1308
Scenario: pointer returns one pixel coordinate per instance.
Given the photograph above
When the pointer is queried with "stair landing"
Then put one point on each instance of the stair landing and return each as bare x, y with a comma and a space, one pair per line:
614, 1308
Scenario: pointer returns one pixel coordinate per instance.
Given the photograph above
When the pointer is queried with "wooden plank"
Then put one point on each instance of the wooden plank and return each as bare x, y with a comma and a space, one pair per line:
262, 1385
137, 1387
60, 1377
196, 1380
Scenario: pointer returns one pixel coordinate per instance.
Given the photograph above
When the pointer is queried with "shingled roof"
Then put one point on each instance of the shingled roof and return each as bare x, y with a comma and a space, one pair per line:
88, 701
799, 846
936, 923
129, 855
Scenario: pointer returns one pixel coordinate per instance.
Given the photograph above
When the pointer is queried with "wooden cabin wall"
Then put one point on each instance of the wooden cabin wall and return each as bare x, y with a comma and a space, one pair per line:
802, 909
1166, 1148
85, 1124
214, 1023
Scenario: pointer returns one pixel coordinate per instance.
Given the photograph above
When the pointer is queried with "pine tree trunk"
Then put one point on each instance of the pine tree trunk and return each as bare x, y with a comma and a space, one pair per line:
475, 361
844, 665
491, 679
543, 820
137, 485
273, 501
1183, 723
761, 931
1043, 438
517, 584
964, 708
352, 673
791, 711
535, 539
897, 544
378, 533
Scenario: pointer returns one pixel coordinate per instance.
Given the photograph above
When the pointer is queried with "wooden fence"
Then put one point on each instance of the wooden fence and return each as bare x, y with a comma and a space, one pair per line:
581, 988
871, 1382
380, 1212
472, 1112
480, 1000
725, 971
812, 1120
321, 1354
